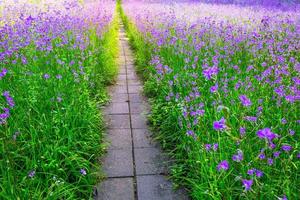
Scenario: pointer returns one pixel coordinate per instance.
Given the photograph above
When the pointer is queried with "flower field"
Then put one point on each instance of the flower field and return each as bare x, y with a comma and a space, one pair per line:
222, 77
55, 61
225, 88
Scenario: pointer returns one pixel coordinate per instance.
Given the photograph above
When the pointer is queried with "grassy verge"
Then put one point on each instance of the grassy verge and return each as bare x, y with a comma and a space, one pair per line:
51, 142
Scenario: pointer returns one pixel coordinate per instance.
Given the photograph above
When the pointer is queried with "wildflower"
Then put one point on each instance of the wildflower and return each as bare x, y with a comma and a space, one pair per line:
9, 99
83, 172
270, 161
215, 146
276, 154
207, 147
283, 121
58, 76
46, 76
298, 156
214, 88
31, 174
286, 148
251, 118
238, 157
223, 165
291, 132
247, 184
242, 131
267, 134
3, 73
210, 72
219, 125
262, 156
245, 100
190, 133
258, 173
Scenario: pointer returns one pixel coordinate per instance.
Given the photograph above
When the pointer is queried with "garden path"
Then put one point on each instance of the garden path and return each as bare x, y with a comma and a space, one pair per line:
134, 165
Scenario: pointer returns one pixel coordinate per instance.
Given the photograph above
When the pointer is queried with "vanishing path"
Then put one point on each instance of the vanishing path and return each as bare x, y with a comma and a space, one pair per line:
134, 164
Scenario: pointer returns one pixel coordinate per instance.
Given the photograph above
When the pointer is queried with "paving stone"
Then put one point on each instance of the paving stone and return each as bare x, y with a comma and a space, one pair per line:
138, 108
138, 121
120, 89
119, 139
116, 189
122, 77
132, 77
117, 108
134, 83
135, 89
142, 138
118, 121
149, 161
119, 97
136, 98
118, 163
156, 187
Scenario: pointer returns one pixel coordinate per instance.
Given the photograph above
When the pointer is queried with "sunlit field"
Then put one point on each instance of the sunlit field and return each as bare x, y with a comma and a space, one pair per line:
222, 78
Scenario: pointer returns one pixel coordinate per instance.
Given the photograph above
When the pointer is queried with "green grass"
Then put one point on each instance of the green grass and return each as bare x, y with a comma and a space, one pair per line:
57, 123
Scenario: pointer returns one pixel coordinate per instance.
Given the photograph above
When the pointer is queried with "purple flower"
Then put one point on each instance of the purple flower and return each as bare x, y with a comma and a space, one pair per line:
245, 100
190, 133
207, 147
251, 118
257, 172
270, 161
291, 132
238, 157
9, 99
247, 184
219, 125
262, 156
298, 156
276, 154
31, 174
242, 131
83, 172
283, 121
286, 148
46, 76
210, 72
3, 73
223, 165
215, 146
58, 76
267, 134
214, 88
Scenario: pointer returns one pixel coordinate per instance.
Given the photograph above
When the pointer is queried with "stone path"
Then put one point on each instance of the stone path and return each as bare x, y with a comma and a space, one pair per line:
134, 165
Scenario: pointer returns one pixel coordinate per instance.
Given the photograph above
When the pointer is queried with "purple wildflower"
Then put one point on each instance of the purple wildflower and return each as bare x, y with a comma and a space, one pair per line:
242, 131
251, 118
58, 76
276, 154
3, 73
223, 165
245, 100
286, 148
219, 125
214, 88
31, 174
247, 184
267, 134
210, 72
270, 161
83, 172
190, 133
46, 76
9, 99
238, 157
215, 146
207, 147
262, 156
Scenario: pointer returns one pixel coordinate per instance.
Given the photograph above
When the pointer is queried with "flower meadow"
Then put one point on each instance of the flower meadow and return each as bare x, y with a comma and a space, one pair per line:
56, 57
224, 84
